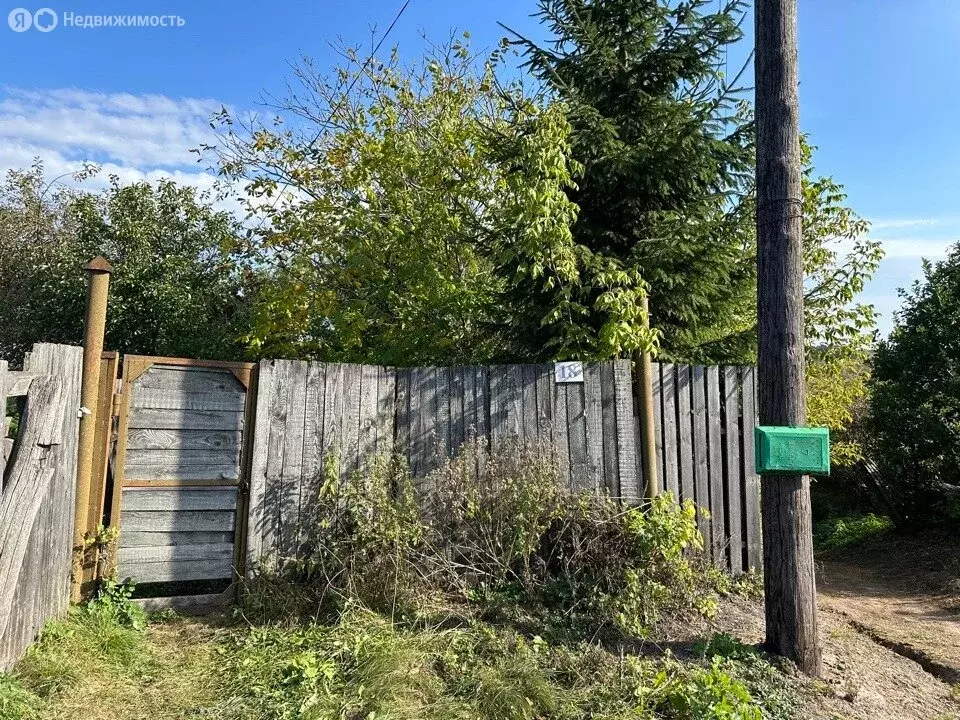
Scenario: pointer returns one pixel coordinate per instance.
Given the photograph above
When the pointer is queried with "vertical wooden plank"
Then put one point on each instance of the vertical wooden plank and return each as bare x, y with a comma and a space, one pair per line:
514, 403
544, 383
630, 484
701, 476
593, 416
120, 451
528, 374
313, 454
43, 587
498, 401
483, 417
561, 430
108, 383
275, 429
458, 433
101, 458
402, 421
313, 445
291, 473
751, 480
352, 378
333, 412
386, 398
733, 477
429, 419
608, 429
418, 441
581, 475
242, 517
671, 453
718, 526
441, 445
367, 418
685, 433
657, 422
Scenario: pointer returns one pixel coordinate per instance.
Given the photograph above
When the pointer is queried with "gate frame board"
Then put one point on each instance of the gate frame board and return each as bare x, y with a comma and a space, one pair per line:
106, 411
134, 366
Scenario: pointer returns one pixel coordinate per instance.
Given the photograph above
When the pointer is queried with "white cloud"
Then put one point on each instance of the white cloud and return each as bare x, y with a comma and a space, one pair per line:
916, 247
901, 223
129, 130
135, 137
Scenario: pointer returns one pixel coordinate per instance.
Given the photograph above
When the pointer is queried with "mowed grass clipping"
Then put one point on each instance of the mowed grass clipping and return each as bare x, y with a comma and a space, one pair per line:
364, 667
90, 665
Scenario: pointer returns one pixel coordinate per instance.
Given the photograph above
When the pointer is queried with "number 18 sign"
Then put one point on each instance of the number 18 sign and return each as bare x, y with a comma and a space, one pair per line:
568, 372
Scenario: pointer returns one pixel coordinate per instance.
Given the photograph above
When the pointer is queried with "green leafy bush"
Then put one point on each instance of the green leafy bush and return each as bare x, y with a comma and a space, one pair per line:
113, 602
840, 532
482, 529
915, 400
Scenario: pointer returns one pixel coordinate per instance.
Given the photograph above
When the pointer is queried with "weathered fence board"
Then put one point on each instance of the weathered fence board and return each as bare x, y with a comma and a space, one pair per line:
176, 521
733, 467
748, 386
37, 502
161, 539
173, 553
685, 434
708, 458
718, 521
142, 418
5, 445
148, 499
178, 570
307, 412
668, 398
701, 479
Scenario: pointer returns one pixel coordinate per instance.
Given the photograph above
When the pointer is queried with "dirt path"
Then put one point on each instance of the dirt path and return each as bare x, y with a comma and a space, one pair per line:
862, 679
903, 592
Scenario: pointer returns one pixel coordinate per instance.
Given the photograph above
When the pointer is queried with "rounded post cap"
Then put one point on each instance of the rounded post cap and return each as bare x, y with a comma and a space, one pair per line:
99, 264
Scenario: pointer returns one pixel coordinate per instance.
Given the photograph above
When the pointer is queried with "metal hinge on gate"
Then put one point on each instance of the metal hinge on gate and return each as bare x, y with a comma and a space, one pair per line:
117, 400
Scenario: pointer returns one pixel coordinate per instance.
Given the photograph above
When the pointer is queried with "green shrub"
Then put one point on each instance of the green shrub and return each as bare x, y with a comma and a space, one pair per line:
915, 400
840, 532
486, 530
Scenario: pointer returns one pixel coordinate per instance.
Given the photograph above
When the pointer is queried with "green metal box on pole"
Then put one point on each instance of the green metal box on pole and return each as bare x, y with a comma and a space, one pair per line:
792, 450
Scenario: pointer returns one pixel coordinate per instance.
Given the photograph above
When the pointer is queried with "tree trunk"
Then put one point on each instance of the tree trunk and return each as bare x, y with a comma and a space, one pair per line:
789, 582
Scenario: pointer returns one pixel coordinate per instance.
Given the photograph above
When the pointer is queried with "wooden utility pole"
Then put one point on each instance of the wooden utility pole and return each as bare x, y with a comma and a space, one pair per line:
94, 326
789, 581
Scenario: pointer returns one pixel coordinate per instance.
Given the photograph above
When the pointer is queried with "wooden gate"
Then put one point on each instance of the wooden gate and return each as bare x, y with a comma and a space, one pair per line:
179, 479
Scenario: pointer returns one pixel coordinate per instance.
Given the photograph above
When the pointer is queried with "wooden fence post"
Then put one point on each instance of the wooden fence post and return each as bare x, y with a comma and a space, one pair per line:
643, 364
98, 283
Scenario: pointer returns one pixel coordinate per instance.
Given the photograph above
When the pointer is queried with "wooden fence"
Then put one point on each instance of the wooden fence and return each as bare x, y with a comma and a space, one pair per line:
307, 411
37, 500
705, 418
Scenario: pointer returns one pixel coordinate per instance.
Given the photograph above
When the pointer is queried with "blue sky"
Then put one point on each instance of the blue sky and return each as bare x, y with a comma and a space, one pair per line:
879, 93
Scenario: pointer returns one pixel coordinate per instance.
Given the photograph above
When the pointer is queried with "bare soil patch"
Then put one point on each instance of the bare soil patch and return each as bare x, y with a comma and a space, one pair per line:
904, 592
862, 679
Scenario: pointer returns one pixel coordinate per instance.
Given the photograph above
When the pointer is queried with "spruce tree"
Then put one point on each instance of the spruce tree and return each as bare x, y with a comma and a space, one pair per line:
665, 143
